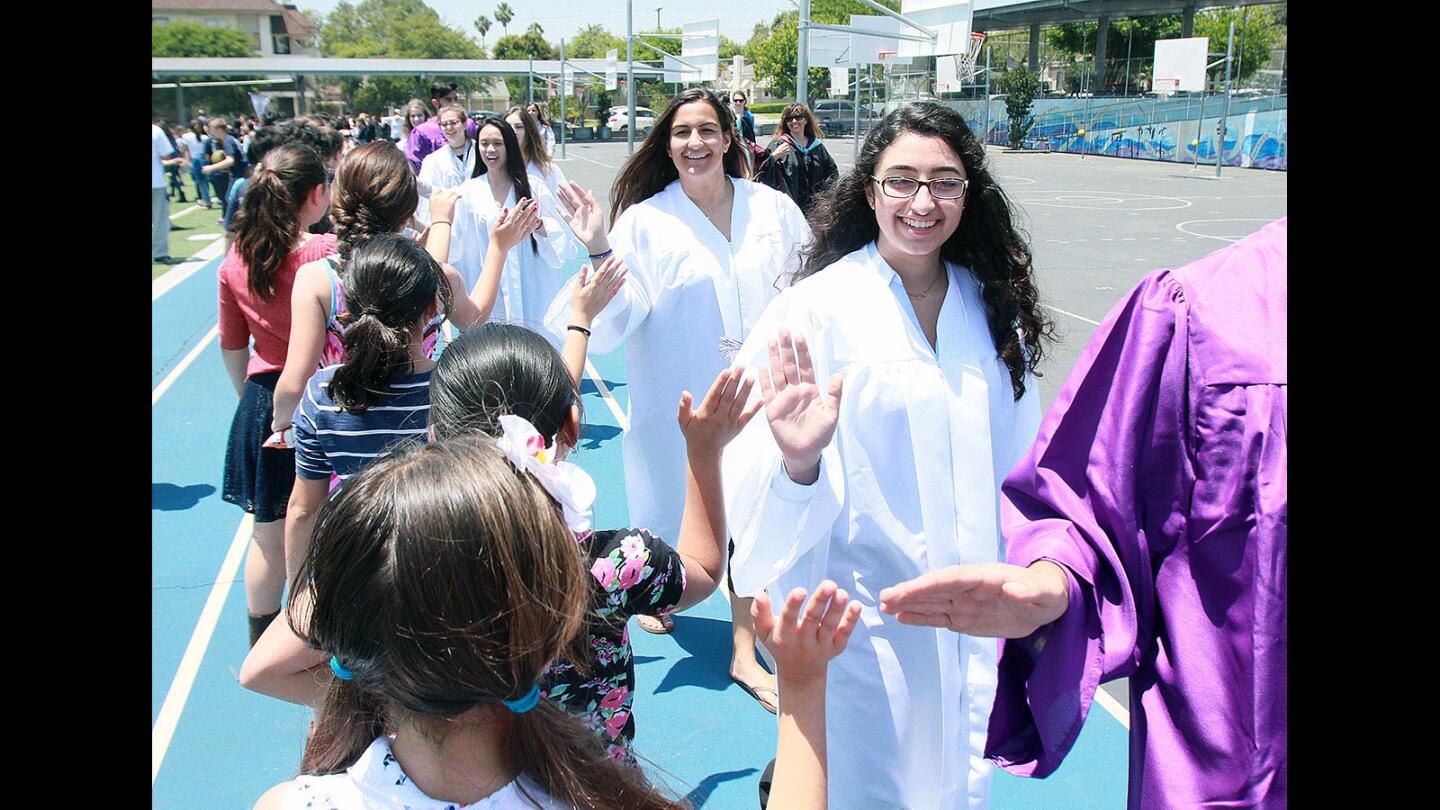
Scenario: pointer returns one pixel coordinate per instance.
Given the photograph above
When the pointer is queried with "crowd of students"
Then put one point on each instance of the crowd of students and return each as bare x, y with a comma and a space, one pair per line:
828, 395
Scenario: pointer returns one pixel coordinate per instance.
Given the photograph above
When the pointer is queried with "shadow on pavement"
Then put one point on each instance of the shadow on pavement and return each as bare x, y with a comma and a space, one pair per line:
170, 498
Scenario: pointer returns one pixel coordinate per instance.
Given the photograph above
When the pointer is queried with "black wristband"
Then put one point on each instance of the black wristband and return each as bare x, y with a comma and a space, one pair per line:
595, 257
582, 330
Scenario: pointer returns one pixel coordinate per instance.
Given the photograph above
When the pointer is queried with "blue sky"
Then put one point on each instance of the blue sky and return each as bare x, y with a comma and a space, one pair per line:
563, 18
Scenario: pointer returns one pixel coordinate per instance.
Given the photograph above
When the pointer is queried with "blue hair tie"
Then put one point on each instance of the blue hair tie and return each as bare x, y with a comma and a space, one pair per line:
340, 672
526, 702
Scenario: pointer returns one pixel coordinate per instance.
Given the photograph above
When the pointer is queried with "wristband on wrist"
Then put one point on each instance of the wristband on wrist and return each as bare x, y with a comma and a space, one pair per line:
578, 328
595, 257
440, 222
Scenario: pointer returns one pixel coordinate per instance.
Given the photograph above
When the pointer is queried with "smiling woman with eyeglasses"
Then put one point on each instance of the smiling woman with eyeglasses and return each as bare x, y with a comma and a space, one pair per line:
897, 376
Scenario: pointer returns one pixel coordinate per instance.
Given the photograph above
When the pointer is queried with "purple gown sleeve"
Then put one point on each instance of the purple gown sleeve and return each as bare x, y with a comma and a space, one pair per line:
1098, 493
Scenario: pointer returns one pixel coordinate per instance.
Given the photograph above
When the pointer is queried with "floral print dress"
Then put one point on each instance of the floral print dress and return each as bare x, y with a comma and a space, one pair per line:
635, 573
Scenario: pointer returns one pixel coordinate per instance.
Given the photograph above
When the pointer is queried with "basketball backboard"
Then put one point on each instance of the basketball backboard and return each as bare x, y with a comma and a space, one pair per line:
949, 20
1182, 59
700, 46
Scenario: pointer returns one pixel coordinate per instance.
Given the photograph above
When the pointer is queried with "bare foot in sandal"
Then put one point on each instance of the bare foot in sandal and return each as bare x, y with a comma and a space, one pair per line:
653, 624
758, 683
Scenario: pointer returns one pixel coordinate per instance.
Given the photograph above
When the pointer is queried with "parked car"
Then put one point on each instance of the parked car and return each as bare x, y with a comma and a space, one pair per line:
619, 119
483, 114
837, 115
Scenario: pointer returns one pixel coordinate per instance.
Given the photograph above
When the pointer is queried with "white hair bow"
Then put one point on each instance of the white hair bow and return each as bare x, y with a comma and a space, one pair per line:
569, 485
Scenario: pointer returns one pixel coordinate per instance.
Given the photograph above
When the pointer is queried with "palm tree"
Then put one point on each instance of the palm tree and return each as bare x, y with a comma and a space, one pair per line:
535, 29
503, 15
482, 24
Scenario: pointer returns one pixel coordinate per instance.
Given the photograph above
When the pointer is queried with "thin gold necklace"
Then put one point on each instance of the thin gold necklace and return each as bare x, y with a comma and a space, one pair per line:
927, 289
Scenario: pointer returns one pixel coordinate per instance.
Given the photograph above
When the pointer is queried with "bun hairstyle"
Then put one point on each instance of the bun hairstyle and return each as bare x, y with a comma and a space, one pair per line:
499, 369
987, 240
446, 581
375, 193
268, 225
390, 284
650, 169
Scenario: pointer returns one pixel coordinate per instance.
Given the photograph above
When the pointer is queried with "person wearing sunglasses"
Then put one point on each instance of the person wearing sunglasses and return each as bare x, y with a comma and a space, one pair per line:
744, 119
796, 162
897, 372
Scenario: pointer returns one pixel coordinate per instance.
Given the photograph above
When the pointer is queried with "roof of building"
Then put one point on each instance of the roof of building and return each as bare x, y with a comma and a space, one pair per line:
295, 22
581, 69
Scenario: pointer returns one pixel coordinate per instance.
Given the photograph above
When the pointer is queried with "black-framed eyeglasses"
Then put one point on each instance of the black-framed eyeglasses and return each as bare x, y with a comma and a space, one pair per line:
738, 100
941, 188
790, 118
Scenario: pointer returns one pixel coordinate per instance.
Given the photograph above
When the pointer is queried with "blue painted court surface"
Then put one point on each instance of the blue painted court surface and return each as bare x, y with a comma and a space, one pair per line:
697, 731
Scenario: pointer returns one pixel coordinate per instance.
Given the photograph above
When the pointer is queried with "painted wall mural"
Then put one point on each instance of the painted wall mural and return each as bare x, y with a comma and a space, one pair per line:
1181, 131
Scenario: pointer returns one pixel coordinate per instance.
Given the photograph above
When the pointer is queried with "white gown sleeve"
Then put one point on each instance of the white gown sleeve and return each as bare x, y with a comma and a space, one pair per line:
631, 304
469, 240
558, 246
774, 521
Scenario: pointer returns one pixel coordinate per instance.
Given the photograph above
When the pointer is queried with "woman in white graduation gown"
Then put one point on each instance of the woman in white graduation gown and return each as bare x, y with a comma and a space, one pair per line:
532, 146
533, 269
886, 441
448, 167
705, 249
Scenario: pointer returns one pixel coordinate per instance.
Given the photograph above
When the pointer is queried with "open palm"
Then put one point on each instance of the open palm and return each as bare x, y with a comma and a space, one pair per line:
802, 417
581, 211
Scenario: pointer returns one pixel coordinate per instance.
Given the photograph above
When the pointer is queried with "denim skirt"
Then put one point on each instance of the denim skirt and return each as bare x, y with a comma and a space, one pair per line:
257, 479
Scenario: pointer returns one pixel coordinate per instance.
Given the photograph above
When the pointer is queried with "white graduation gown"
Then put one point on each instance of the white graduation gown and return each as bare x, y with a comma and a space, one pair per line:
553, 177
910, 483
687, 288
532, 276
442, 169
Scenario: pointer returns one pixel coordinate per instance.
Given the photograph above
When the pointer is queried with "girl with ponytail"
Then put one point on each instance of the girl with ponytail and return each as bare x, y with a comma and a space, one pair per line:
375, 194
379, 396
441, 583
288, 193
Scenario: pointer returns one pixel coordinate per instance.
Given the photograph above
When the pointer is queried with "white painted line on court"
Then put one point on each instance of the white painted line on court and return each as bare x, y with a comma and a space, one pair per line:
174, 217
1181, 227
607, 396
1071, 314
174, 704
183, 364
1112, 706
201, 237
596, 162
182, 271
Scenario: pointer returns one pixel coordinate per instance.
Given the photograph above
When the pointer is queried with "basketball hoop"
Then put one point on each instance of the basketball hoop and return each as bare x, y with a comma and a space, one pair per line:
886, 58
1166, 86
965, 62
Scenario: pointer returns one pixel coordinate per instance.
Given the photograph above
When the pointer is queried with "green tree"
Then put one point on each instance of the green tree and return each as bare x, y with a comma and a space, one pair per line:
775, 56
194, 39
1020, 87
482, 24
534, 28
592, 42
503, 15
394, 29
1260, 26
529, 46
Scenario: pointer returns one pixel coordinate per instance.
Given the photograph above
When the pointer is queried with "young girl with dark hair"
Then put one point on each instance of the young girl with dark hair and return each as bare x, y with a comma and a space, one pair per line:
532, 274
375, 193
918, 298
288, 192
532, 145
706, 250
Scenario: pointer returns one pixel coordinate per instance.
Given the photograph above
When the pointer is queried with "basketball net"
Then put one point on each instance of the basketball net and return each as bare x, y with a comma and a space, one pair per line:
965, 62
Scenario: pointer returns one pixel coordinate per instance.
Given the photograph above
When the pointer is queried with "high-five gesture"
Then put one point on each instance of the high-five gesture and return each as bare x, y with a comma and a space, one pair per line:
581, 211
804, 644
514, 224
594, 289
721, 415
985, 599
802, 417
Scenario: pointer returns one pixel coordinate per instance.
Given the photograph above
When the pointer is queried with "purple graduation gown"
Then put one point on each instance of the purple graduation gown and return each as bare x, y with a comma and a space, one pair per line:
1159, 481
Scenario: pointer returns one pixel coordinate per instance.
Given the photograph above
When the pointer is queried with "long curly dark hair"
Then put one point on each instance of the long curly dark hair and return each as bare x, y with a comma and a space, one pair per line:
987, 241
651, 168
375, 192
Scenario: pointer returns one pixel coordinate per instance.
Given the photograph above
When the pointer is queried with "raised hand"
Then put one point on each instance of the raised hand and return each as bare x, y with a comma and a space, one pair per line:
594, 289
722, 413
984, 599
442, 205
804, 644
802, 417
514, 224
581, 211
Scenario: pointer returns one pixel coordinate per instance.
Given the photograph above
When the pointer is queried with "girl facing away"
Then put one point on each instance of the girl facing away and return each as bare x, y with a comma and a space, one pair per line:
441, 584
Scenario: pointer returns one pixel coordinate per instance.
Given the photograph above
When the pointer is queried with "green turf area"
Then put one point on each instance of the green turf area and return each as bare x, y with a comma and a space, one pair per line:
195, 221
